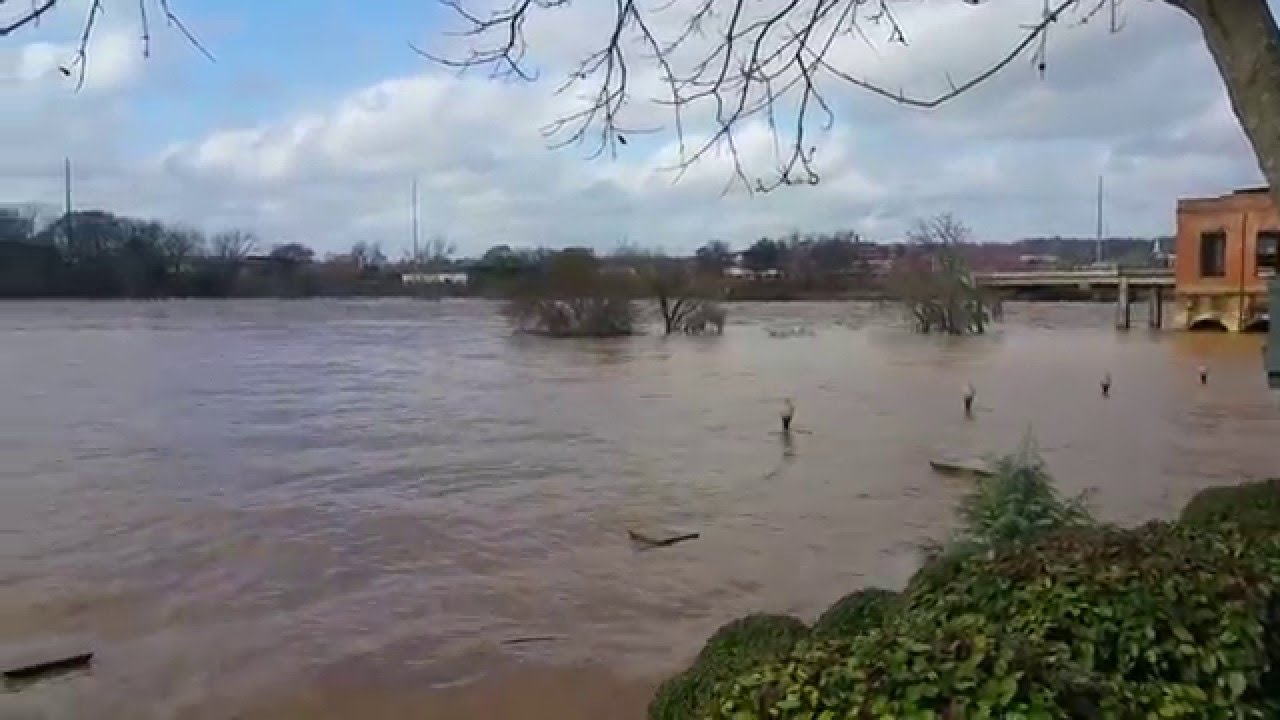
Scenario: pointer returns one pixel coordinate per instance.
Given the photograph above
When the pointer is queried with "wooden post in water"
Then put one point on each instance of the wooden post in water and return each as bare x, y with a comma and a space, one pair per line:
1122, 304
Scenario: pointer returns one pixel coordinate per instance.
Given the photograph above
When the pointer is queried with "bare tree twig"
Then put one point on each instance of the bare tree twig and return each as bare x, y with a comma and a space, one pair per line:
1030, 38
740, 60
174, 21
31, 16
80, 61
146, 30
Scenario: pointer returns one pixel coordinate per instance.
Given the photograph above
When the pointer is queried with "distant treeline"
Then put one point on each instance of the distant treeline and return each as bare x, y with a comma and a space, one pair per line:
102, 255
97, 254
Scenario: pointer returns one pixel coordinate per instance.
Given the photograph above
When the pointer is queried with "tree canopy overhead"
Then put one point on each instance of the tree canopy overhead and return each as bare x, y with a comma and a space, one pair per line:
780, 60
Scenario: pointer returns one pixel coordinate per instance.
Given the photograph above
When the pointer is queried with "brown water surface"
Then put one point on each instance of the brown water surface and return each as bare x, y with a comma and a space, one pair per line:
346, 509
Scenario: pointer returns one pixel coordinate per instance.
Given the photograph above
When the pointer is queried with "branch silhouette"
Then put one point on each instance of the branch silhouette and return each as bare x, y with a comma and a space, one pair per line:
741, 58
79, 63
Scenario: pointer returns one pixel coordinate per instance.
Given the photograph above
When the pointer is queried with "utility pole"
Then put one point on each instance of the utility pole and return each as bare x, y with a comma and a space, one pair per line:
415, 221
66, 179
1098, 247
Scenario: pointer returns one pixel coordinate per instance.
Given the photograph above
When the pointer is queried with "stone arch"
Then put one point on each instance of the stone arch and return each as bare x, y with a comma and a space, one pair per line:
1208, 323
1259, 323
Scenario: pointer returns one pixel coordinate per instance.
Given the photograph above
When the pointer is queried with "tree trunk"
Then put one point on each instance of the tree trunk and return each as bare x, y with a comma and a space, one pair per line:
1245, 44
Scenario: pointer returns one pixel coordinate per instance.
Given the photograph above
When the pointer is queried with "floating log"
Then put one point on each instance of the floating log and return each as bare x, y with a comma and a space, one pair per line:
531, 639
657, 542
963, 468
45, 670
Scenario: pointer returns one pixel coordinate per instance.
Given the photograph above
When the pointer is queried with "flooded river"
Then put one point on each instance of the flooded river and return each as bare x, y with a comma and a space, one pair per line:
349, 509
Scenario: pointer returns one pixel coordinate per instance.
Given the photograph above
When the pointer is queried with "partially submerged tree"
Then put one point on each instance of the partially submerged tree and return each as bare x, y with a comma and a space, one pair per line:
570, 296
684, 297
933, 282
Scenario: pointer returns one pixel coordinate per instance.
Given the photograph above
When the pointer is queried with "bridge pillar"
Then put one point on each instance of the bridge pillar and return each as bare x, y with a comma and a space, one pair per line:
1155, 308
1122, 304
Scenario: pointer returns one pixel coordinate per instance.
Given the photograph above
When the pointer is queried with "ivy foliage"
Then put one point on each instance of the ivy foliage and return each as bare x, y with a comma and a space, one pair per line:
1253, 507
856, 613
736, 647
1162, 621
1047, 616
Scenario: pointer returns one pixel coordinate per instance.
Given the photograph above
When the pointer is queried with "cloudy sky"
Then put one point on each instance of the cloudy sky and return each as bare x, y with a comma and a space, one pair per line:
316, 116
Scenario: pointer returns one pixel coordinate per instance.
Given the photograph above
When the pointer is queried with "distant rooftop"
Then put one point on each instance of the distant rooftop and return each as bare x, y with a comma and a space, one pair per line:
1258, 190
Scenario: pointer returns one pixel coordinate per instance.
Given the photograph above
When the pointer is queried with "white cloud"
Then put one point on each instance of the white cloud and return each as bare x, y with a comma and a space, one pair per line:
1017, 156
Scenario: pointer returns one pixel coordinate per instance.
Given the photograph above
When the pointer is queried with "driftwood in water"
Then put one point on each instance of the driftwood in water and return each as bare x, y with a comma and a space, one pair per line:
969, 468
530, 639
657, 542
45, 670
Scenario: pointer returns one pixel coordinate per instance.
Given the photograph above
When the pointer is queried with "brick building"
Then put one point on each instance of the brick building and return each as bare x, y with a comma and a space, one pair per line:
1227, 249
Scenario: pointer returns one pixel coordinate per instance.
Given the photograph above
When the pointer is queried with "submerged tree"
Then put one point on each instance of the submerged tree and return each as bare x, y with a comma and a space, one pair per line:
570, 296
683, 296
933, 282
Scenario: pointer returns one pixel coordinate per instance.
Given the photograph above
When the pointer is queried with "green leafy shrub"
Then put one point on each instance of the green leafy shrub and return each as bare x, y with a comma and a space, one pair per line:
939, 568
736, 647
1161, 621
1018, 503
1253, 506
856, 613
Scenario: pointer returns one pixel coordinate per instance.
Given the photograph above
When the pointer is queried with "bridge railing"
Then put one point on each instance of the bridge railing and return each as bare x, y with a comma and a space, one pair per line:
1075, 274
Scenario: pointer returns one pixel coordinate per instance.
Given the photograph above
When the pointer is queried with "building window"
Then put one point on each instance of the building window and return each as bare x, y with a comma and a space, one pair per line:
1267, 254
1213, 254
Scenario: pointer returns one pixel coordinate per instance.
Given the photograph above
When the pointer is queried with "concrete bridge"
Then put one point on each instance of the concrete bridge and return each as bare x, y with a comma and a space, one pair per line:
1106, 277
1125, 280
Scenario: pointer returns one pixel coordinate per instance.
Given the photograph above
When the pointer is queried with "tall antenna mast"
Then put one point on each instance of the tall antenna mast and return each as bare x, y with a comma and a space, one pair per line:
1098, 247
66, 179
415, 220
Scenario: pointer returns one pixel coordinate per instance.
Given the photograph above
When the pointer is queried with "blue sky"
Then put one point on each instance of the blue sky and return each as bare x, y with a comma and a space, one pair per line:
316, 116
274, 58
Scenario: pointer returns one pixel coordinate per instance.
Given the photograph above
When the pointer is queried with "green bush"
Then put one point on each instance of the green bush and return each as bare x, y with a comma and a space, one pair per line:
1018, 503
1251, 506
856, 613
736, 647
939, 569
1161, 621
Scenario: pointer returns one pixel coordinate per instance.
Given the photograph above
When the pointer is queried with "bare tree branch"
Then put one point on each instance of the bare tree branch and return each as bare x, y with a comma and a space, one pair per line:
26, 18
80, 61
740, 59
176, 22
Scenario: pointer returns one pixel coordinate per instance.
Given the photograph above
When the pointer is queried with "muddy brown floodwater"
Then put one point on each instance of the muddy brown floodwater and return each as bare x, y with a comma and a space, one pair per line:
346, 509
